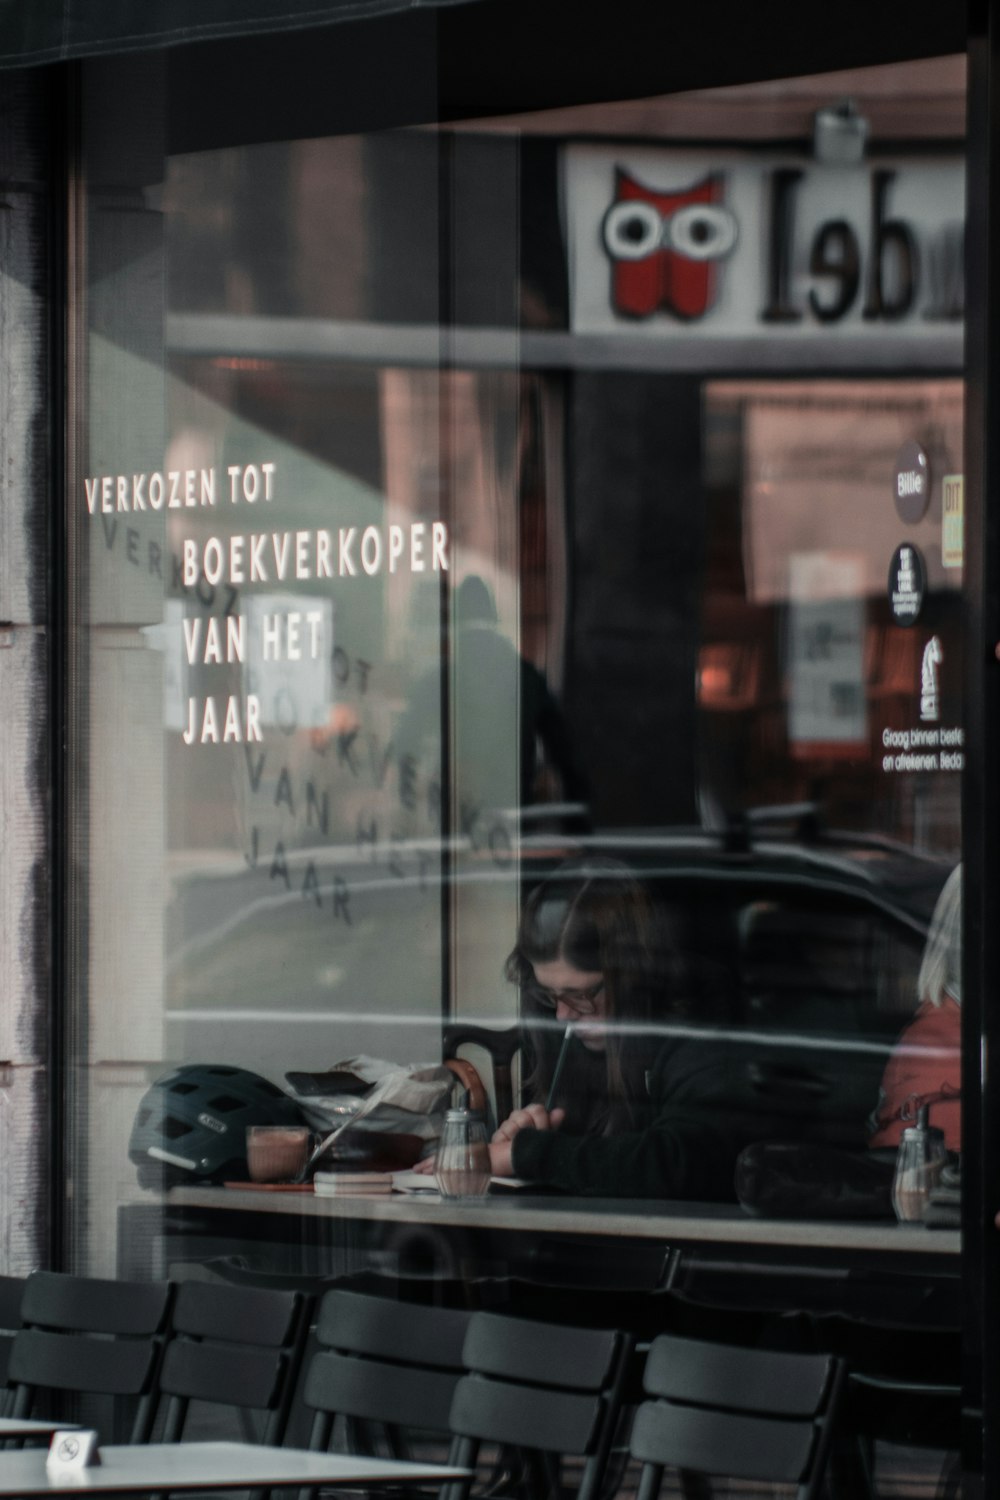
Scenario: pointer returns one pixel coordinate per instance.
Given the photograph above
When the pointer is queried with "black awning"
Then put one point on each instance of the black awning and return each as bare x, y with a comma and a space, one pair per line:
33, 32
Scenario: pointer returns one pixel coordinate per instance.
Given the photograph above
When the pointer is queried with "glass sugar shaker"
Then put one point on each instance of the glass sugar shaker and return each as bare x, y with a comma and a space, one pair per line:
463, 1159
919, 1162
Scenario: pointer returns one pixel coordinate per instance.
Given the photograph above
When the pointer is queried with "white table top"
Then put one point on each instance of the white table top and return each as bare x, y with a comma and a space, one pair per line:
674, 1224
167, 1467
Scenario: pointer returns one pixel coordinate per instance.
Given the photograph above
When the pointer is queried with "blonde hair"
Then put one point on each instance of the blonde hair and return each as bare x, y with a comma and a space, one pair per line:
941, 966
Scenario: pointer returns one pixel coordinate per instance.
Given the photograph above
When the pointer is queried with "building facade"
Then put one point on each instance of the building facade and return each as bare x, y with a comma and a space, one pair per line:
440, 443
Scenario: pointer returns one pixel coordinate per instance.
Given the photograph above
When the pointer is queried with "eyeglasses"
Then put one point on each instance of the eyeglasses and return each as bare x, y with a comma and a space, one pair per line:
583, 1002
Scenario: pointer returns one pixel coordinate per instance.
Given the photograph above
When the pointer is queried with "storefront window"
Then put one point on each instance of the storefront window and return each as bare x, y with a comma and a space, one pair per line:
456, 501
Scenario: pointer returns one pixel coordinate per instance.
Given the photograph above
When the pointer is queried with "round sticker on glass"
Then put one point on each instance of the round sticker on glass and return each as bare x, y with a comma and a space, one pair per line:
907, 584
911, 483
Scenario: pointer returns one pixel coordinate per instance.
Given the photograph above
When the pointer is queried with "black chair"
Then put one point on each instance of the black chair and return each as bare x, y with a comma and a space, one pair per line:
749, 1414
388, 1369
546, 1392
231, 1347
83, 1336
11, 1293
903, 1387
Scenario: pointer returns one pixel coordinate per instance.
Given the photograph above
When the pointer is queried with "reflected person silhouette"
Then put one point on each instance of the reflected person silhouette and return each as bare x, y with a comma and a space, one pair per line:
506, 720
925, 1065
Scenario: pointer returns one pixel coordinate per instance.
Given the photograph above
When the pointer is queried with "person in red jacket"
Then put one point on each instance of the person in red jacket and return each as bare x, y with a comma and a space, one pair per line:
924, 1067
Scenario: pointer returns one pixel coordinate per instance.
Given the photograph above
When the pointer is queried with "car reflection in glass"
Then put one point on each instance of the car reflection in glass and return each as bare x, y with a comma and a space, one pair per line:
801, 946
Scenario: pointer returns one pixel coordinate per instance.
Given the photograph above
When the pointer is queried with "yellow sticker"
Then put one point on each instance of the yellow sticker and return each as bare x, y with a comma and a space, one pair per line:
953, 519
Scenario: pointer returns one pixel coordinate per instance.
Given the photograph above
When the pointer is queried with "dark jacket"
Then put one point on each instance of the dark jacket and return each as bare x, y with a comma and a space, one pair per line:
681, 1143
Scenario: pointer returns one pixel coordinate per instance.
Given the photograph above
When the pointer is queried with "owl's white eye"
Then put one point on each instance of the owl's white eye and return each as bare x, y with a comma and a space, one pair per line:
702, 231
632, 231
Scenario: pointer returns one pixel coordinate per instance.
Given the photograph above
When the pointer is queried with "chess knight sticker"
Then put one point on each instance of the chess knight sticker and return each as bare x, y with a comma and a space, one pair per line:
666, 248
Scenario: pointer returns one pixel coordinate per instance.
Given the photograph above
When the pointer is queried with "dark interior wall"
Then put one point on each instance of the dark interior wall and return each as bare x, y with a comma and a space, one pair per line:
500, 56
637, 546
529, 54
463, 228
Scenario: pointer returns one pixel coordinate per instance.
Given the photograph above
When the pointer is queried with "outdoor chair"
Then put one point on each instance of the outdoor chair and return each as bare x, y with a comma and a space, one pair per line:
544, 1392
238, 1348
749, 1414
83, 1336
386, 1368
11, 1293
903, 1387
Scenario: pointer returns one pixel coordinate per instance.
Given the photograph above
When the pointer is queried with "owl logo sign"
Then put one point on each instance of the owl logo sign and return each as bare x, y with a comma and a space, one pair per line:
665, 247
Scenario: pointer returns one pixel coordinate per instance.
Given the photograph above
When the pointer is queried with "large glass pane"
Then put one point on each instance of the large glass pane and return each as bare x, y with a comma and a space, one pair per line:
462, 501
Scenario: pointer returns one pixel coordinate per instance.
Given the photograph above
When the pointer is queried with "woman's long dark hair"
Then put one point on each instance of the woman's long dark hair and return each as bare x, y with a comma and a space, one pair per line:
594, 914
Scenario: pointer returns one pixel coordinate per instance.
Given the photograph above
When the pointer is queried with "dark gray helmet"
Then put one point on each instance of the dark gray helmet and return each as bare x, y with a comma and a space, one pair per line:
191, 1123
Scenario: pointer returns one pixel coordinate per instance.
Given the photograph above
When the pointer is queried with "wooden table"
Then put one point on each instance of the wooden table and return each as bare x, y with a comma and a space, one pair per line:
704, 1249
174, 1467
675, 1224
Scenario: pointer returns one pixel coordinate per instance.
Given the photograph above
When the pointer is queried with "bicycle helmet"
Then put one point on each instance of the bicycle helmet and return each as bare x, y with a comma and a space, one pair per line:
191, 1123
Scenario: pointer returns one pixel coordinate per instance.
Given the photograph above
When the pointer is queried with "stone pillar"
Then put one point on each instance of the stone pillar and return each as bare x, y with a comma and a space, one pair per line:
26, 482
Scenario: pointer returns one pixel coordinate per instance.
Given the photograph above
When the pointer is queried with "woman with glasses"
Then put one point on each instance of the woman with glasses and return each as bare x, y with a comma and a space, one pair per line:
627, 1098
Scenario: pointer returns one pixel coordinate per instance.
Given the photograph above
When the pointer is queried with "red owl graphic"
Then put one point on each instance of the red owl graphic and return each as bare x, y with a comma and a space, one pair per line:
665, 247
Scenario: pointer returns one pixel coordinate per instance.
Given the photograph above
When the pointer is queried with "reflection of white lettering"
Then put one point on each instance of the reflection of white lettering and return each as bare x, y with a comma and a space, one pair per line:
292, 636
272, 647
395, 546
306, 555
371, 550
439, 546
916, 763
236, 639
270, 631
213, 562
258, 573
203, 721
910, 741
280, 543
246, 482
177, 489
909, 483
929, 669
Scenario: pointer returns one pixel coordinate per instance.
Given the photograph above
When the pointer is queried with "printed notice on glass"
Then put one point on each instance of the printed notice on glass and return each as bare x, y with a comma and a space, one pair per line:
953, 520
826, 707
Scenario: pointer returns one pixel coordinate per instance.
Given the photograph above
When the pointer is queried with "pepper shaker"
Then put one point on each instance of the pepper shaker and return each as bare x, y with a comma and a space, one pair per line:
919, 1162
463, 1160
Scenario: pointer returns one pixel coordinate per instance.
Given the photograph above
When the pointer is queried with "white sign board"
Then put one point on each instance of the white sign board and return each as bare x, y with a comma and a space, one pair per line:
759, 245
